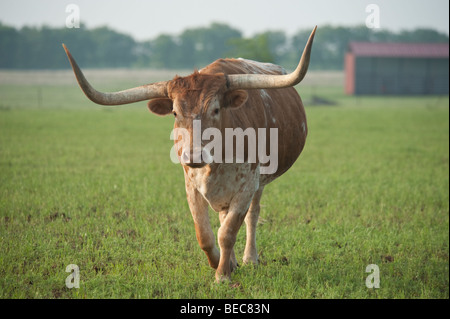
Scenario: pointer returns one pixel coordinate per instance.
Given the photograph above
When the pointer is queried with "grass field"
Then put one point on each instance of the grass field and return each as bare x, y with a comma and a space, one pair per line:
94, 186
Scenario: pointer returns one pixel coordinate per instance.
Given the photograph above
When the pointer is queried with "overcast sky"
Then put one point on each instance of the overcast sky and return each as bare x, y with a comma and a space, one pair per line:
146, 19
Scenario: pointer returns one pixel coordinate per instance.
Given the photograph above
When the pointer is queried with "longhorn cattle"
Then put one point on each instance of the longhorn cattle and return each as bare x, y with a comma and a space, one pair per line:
227, 94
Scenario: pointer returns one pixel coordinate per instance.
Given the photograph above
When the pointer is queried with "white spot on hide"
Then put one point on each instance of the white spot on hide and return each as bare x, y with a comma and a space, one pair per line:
261, 68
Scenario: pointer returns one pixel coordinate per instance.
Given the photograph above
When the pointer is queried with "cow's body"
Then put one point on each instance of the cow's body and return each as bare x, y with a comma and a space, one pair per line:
231, 189
226, 95
268, 108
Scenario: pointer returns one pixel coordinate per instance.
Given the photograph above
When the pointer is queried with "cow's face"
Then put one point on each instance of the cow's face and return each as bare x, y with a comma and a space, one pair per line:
197, 102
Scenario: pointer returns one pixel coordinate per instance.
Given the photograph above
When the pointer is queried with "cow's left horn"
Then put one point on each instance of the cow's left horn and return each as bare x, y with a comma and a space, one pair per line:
265, 81
136, 94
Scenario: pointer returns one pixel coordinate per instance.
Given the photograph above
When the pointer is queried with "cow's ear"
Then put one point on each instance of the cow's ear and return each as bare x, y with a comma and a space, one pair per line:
160, 106
235, 98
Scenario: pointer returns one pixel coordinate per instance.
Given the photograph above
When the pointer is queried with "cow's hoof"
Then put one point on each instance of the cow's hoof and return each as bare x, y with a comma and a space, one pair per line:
223, 279
251, 261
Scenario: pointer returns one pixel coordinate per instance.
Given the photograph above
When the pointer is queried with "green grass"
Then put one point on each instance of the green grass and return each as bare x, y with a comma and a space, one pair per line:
87, 185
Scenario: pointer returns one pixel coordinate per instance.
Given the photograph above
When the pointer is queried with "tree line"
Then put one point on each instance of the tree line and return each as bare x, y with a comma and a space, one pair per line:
103, 47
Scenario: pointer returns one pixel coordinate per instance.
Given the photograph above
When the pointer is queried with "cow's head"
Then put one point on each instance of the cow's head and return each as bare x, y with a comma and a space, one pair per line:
197, 102
199, 96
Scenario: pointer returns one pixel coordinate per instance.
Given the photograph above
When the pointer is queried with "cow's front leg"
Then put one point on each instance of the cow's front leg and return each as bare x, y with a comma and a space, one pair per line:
251, 220
233, 260
205, 236
228, 231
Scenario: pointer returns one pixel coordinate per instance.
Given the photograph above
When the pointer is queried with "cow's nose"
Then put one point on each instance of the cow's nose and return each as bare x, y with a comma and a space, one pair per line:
185, 157
191, 157
196, 158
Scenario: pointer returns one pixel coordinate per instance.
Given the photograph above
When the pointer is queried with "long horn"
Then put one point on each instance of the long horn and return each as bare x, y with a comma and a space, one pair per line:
136, 94
267, 81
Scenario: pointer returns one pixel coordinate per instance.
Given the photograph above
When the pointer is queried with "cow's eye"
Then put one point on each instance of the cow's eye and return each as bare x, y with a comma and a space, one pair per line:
216, 111
175, 114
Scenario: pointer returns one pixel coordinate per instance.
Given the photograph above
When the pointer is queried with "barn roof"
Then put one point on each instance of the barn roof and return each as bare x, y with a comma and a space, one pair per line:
404, 50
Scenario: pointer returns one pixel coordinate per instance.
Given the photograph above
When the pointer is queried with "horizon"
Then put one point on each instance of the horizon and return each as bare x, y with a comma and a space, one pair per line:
89, 28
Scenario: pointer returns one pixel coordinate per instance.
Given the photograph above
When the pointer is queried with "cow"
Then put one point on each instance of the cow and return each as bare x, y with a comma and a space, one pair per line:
227, 94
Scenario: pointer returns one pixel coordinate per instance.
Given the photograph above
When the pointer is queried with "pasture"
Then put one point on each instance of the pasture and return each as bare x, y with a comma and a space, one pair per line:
94, 186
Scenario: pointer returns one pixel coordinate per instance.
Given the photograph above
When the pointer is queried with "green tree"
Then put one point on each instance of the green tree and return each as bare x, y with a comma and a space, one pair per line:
9, 46
163, 52
112, 49
40, 47
201, 46
421, 35
256, 48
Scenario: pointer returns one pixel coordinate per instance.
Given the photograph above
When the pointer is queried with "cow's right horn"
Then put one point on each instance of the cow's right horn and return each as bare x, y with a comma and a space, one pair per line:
145, 92
268, 81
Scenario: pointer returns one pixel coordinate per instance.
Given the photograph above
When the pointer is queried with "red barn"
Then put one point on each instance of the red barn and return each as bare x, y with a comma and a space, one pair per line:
397, 68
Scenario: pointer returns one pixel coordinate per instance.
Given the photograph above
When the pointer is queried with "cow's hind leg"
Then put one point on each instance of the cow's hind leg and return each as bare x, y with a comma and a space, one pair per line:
203, 230
251, 220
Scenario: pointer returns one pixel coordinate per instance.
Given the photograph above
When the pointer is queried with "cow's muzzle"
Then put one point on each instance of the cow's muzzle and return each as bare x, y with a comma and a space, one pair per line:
197, 158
